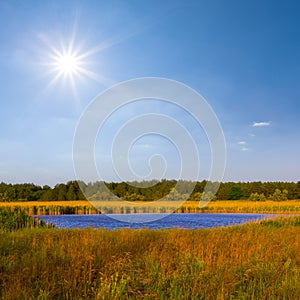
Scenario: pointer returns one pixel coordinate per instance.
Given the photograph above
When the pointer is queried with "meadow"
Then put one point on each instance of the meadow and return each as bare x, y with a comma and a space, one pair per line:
246, 206
85, 207
253, 261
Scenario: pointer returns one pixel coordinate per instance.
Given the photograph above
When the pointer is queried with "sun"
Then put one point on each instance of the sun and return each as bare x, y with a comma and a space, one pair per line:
65, 64
68, 64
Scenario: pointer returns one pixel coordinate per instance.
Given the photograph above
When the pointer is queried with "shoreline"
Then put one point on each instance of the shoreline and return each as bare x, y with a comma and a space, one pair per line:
215, 207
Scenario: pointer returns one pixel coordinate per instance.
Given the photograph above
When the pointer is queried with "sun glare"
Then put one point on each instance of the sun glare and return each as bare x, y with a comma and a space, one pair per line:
68, 64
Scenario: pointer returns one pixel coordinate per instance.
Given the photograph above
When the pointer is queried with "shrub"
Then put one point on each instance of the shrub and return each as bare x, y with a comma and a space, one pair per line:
257, 197
279, 195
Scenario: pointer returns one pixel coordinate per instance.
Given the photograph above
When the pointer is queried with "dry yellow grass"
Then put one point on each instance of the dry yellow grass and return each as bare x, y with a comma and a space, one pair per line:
256, 204
253, 261
244, 206
52, 207
241, 206
46, 203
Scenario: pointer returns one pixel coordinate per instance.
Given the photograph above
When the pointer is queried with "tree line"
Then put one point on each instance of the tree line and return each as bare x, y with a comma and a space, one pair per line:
149, 191
32, 192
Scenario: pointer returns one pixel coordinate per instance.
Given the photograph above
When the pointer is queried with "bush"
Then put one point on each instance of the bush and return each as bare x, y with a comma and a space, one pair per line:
257, 197
279, 195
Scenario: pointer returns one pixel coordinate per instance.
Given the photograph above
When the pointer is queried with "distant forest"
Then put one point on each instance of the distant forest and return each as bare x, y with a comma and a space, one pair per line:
255, 191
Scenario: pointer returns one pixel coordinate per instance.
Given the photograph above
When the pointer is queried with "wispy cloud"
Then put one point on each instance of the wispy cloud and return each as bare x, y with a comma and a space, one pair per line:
245, 148
261, 124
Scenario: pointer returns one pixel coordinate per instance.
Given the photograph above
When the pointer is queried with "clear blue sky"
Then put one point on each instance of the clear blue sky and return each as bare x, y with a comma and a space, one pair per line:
242, 56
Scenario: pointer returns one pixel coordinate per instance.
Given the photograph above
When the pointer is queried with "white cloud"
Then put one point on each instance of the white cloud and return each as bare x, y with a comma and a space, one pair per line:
245, 149
242, 143
261, 124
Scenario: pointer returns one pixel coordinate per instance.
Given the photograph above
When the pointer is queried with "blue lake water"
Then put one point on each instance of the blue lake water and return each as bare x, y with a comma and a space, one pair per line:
188, 221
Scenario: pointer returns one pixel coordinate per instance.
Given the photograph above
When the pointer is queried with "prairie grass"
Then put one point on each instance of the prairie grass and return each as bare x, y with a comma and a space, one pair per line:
253, 261
244, 206
46, 203
85, 207
52, 207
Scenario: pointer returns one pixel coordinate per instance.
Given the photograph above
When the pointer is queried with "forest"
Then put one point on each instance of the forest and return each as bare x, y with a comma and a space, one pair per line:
149, 191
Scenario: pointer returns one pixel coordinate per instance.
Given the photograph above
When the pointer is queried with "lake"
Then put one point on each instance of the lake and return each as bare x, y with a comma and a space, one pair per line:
188, 221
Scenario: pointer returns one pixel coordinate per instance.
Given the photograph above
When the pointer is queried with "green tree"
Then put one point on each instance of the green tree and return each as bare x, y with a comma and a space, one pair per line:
236, 193
280, 195
257, 197
49, 195
11, 194
61, 192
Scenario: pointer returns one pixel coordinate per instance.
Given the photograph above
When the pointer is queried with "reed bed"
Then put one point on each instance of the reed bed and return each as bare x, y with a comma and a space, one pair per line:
253, 261
243, 206
52, 207
121, 207
12, 219
46, 203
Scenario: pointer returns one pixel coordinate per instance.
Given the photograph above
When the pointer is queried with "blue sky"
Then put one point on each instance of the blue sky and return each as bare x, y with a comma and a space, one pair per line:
243, 57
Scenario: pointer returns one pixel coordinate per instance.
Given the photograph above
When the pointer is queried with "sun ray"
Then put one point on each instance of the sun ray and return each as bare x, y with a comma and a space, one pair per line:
64, 63
68, 63
95, 76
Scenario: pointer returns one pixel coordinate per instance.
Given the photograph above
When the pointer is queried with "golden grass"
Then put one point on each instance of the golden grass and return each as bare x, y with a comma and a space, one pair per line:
253, 261
240, 206
46, 203
244, 206
291, 206
255, 204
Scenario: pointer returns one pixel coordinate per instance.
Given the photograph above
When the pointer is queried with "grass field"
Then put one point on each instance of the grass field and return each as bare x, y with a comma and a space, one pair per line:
46, 203
253, 261
241, 206
52, 207
244, 206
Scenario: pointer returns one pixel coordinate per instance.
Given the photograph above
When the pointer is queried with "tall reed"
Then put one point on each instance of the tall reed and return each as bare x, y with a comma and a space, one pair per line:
253, 261
12, 219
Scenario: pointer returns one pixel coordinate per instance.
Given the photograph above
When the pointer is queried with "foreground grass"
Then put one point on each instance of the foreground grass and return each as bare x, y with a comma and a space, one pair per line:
253, 261
85, 207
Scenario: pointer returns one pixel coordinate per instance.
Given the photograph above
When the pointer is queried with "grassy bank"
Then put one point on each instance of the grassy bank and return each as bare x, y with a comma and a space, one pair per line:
244, 206
14, 218
52, 207
84, 207
253, 261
